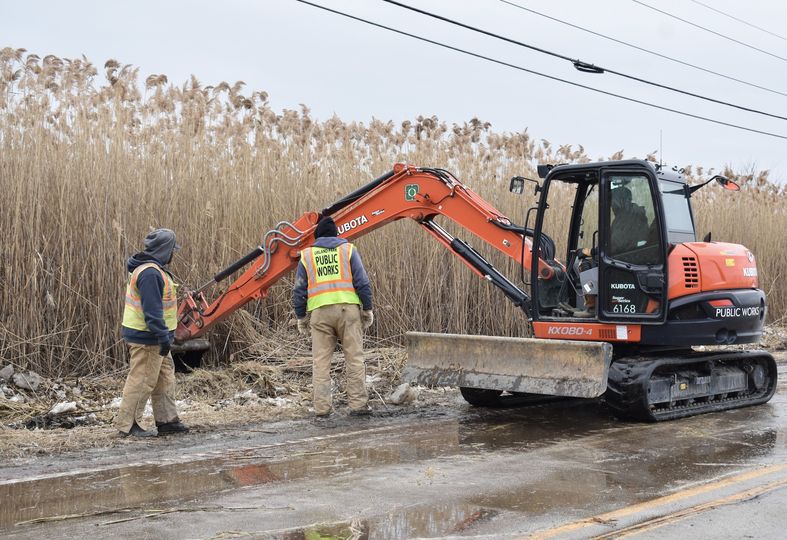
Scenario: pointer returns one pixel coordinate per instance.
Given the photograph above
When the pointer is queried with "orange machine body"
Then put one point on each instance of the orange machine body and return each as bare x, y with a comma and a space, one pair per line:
696, 267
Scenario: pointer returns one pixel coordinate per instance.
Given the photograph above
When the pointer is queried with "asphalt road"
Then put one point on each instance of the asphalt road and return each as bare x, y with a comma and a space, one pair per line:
565, 469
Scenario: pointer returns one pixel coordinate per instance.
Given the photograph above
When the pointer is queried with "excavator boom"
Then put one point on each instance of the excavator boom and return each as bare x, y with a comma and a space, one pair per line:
406, 192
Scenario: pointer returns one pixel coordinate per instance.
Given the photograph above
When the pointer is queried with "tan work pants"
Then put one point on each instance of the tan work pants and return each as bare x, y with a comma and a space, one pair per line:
329, 323
149, 376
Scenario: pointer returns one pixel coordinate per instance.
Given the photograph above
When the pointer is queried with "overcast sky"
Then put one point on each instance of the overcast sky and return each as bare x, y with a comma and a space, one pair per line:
299, 54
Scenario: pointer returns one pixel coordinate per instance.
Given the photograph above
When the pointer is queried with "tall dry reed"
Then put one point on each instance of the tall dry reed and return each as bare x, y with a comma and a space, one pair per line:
90, 161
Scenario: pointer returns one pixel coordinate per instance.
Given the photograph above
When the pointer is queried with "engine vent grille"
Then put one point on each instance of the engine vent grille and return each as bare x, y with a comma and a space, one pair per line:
691, 274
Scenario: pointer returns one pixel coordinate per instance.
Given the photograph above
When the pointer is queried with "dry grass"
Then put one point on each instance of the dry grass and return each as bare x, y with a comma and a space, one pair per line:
89, 162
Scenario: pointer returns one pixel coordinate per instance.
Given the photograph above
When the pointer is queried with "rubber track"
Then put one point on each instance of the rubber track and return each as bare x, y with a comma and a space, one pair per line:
629, 378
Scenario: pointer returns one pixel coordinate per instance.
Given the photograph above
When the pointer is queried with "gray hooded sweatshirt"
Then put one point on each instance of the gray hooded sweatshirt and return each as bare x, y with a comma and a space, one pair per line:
159, 246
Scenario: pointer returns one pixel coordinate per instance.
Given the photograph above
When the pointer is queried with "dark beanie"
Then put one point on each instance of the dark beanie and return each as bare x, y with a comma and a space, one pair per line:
326, 227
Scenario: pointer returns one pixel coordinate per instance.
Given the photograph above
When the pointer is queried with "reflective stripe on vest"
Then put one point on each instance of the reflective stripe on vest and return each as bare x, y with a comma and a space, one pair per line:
330, 276
134, 317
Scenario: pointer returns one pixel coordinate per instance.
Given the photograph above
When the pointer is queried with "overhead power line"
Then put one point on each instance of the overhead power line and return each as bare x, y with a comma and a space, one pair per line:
637, 47
544, 75
579, 64
733, 17
715, 33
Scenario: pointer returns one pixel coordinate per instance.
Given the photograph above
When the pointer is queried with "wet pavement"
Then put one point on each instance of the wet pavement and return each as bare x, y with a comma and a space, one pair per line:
562, 469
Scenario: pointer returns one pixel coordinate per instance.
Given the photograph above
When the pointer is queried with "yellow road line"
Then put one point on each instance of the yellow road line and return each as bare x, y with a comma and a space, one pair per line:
621, 513
693, 510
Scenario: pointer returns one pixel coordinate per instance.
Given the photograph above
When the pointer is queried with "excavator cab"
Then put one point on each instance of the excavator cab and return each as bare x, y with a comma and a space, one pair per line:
616, 241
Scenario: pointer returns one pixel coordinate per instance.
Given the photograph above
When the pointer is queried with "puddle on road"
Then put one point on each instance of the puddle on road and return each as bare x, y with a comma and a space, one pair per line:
133, 486
631, 463
617, 479
418, 521
629, 473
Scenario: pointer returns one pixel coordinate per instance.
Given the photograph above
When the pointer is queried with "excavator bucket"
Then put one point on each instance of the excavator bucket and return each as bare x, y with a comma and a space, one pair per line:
537, 366
188, 354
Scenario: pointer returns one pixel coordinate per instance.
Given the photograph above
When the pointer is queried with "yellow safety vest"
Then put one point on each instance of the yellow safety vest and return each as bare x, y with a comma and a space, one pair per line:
330, 276
134, 317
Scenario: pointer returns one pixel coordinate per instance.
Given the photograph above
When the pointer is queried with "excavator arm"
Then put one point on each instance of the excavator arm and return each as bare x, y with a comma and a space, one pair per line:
420, 194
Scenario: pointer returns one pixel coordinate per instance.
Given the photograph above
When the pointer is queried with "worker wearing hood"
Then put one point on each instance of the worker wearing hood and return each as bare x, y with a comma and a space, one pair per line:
149, 322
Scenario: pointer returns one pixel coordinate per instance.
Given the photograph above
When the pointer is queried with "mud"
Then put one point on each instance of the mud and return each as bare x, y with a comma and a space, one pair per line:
436, 472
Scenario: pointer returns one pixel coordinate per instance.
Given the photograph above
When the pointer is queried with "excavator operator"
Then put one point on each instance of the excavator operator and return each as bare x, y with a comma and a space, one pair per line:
628, 229
333, 297
630, 225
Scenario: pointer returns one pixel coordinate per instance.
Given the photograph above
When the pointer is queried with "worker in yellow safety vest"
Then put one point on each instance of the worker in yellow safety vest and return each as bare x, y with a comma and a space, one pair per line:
148, 327
333, 297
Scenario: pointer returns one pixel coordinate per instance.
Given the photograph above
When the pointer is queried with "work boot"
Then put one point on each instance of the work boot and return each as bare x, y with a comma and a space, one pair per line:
136, 431
366, 411
168, 428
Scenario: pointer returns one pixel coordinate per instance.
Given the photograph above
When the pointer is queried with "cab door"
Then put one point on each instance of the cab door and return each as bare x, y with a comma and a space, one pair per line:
633, 252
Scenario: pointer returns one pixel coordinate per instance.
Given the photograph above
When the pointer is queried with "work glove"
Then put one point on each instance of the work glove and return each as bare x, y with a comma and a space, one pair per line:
367, 318
163, 348
303, 326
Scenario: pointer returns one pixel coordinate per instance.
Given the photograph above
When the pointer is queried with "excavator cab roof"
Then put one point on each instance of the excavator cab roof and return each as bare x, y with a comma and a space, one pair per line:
583, 172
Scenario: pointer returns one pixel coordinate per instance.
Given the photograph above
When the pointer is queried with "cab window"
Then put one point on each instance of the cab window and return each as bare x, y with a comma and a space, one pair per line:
589, 225
633, 232
680, 227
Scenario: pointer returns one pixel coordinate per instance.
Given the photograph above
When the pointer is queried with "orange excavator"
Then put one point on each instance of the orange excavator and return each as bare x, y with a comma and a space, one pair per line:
622, 317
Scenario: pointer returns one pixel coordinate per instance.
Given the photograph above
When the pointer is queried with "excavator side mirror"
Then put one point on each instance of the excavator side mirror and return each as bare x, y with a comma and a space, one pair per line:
726, 183
517, 185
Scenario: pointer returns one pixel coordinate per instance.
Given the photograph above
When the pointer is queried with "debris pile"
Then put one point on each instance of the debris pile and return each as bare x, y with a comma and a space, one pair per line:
774, 338
285, 380
28, 400
279, 381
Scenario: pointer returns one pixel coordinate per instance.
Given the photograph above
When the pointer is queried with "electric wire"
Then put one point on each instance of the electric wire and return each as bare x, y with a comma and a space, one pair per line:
733, 17
642, 49
579, 64
544, 75
695, 25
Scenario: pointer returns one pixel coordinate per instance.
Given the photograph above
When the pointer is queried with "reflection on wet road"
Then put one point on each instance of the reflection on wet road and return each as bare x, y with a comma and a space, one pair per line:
474, 471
